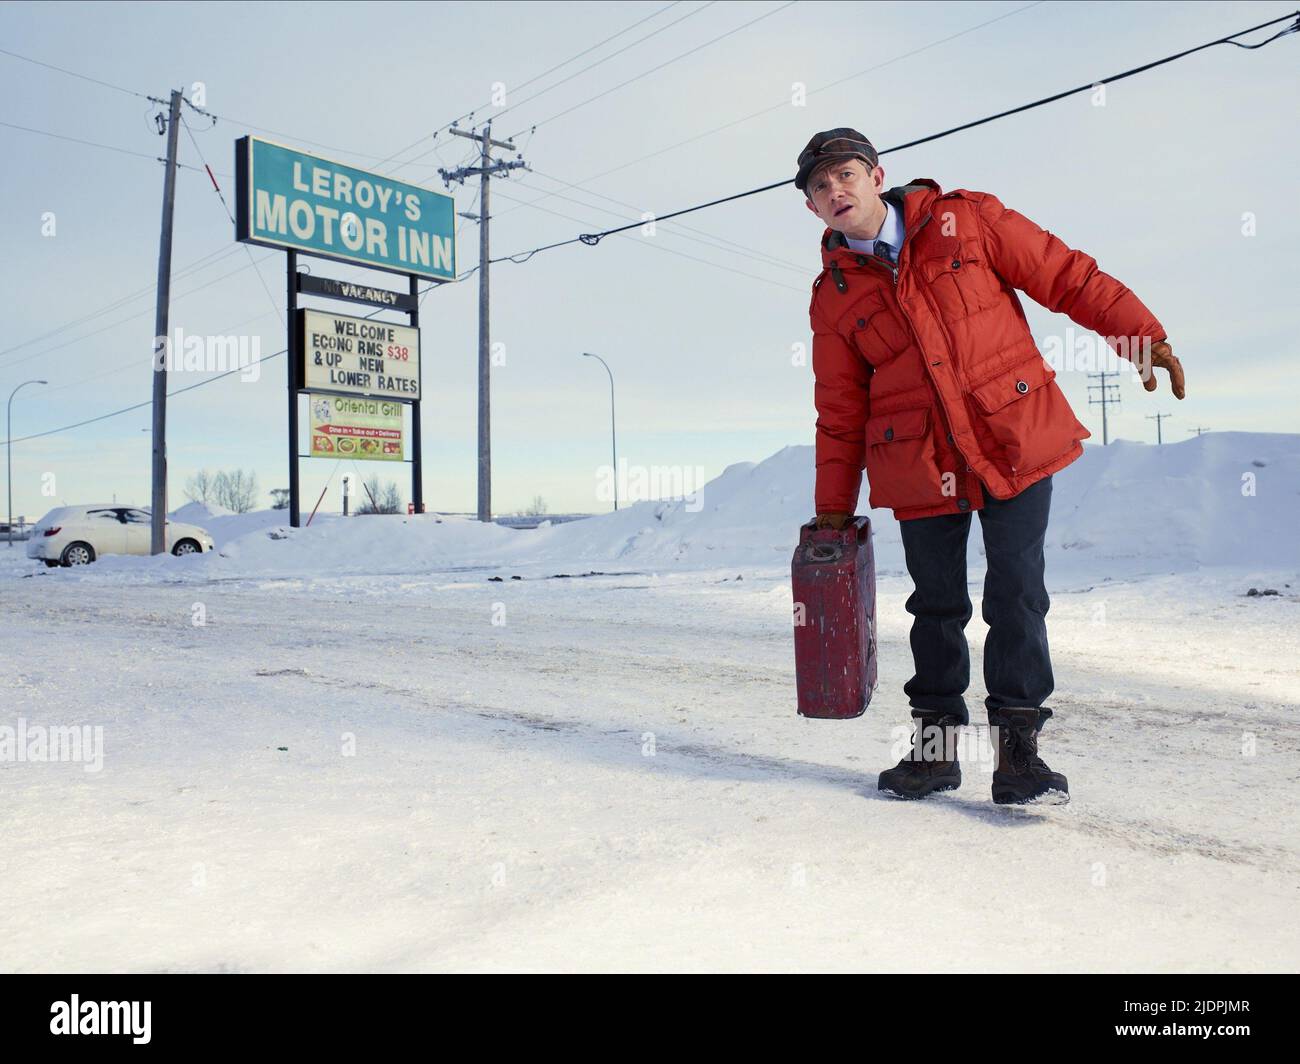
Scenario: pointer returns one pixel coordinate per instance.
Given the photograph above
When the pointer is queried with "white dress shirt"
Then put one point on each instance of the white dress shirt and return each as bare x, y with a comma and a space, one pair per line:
891, 232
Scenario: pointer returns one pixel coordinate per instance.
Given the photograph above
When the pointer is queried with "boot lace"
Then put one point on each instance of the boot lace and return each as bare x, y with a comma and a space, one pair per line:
1022, 749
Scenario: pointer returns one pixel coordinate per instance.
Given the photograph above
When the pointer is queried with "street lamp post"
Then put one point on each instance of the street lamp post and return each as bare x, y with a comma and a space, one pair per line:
613, 437
9, 452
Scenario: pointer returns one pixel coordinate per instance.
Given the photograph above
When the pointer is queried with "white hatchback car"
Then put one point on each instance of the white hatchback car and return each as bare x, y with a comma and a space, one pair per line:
77, 535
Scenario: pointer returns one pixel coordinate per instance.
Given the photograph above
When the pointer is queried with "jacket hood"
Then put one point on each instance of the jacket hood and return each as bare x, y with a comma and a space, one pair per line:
912, 199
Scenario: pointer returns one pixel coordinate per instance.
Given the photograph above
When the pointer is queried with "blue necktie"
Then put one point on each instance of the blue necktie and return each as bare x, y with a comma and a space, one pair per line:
885, 252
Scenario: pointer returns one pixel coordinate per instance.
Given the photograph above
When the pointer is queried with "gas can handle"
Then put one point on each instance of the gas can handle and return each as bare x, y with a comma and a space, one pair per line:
858, 528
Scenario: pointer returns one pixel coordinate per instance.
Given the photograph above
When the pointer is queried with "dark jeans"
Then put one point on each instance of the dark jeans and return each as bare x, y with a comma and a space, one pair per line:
1017, 667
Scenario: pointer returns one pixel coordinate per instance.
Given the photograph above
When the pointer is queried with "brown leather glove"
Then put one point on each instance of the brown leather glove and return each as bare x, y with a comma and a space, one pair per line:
836, 521
1162, 355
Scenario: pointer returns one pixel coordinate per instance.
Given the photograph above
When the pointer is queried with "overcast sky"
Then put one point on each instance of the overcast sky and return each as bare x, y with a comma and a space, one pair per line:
697, 323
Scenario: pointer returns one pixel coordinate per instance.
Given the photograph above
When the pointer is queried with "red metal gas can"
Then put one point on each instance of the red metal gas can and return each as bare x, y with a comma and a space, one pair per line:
833, 580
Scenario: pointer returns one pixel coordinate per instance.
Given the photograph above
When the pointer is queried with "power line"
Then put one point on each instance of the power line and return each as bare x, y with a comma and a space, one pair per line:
197, 265
711, 242
148, 402
238, 122
591, 239
205, 381
605, 59
216, 256
299, 139
88, 143
146, 96
221, 196
533, 128
319, 144
785, 103
762, 255
661, 66
470, 114
1113, 78
136, 363
123, 321
594, 238
803, 291
592, 48
73, 73
178, 391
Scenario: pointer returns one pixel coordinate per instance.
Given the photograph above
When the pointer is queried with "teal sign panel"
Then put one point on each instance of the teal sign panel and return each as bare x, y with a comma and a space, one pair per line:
290, 199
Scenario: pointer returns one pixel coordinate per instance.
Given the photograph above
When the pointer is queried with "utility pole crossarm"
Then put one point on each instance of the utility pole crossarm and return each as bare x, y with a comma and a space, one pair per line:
462, 172
483, 138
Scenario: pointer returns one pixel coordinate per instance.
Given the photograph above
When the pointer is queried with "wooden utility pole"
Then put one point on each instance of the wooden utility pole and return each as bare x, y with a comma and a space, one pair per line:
485, 170
158, 536
1107, 397
1200, 429
1158, 418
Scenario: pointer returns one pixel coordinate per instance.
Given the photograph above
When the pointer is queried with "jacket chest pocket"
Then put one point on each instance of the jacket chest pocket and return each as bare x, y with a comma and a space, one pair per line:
961, 281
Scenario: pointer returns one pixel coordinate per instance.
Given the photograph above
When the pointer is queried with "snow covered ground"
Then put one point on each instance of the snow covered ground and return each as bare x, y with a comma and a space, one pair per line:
371, 756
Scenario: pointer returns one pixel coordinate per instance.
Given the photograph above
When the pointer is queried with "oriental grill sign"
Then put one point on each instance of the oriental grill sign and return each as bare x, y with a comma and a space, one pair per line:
296, 201
363, 429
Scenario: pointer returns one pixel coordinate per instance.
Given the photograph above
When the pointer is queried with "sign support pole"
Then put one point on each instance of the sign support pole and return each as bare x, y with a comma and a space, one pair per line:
417, 462
291, 305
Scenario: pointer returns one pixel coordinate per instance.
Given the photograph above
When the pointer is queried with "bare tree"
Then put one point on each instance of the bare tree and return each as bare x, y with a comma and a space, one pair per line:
236, 491
199, 487
380, 498
536, 508
279, 498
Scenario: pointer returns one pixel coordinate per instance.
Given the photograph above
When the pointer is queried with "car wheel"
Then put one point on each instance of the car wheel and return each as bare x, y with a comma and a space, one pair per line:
78, 554
186, 546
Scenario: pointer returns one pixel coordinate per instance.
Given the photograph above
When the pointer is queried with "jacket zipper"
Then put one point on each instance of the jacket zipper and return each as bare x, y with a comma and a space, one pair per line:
893, 272
893, 267
948, 434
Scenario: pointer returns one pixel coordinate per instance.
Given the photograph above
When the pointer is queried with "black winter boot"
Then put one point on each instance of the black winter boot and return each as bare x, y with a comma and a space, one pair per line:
1019, 774
931, 765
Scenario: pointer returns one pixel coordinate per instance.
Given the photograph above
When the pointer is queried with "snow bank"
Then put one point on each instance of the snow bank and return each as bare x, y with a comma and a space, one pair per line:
1222, 499
226, 525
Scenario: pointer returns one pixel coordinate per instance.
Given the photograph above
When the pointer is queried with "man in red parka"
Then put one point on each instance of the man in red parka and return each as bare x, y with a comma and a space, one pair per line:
928, 378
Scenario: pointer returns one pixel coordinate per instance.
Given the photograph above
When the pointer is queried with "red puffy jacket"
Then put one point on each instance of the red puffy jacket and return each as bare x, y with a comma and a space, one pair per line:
927, 375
